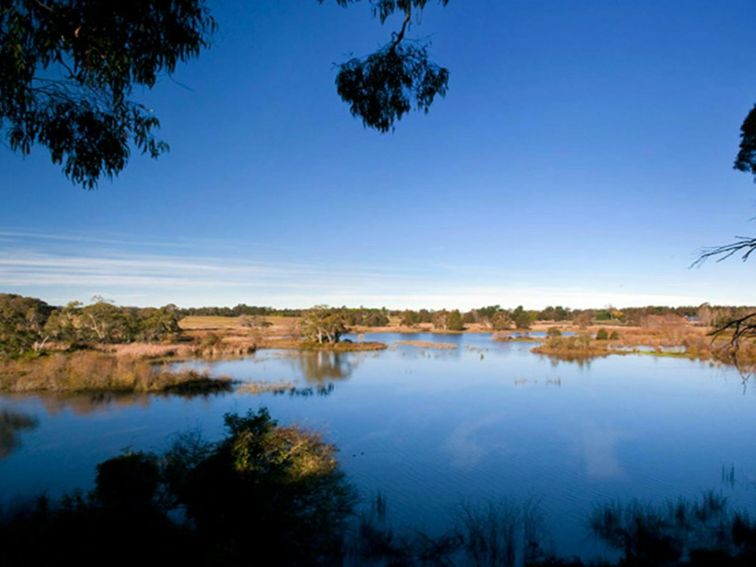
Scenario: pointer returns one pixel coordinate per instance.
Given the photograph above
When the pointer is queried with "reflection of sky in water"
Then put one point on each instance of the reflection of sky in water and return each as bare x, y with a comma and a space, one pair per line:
430, 428
597, 447
465, 445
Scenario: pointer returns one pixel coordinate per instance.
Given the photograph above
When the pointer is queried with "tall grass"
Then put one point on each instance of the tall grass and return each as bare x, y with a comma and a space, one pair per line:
92, 371
577, 347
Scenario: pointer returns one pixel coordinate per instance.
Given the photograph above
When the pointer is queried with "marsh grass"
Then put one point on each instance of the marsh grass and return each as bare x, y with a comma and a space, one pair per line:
92, 371
577, 347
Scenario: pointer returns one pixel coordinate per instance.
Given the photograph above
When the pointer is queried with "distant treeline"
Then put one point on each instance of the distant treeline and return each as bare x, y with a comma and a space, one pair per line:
498, 318
238, 311
494, 316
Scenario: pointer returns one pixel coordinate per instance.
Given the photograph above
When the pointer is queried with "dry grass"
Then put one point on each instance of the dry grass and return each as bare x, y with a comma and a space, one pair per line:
209, 346
91, 371
151, 350
278, 325
209, 323
578, 347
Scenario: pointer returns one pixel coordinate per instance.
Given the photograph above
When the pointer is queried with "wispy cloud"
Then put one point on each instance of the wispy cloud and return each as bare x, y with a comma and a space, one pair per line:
60, 268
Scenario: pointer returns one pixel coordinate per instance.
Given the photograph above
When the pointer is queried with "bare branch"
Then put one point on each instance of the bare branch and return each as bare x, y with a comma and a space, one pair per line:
745, 244
398, 37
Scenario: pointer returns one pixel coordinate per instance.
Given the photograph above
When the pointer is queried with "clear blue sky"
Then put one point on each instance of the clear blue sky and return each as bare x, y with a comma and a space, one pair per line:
582, 157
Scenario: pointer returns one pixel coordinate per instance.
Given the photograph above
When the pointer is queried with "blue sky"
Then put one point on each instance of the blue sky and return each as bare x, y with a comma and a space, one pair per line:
582, 157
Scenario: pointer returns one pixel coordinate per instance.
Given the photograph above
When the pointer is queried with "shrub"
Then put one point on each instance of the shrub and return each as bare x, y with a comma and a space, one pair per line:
264, 491
454, 321
602, 335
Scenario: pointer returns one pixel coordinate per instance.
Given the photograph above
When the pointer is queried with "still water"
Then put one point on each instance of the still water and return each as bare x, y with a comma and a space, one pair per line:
431, 428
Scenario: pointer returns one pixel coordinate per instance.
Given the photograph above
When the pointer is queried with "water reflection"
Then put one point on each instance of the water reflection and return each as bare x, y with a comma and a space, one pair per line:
555, 361
320, 366
465, 446
597, 447
87, 404
100, 402
11, 424
432, 425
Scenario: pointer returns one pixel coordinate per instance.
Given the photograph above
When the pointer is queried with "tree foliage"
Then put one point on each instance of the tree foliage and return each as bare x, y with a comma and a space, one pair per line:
323, 324
104, 322
68, 69
381, 88
22, 320
387, 84
522, 318
454, 321
746, 158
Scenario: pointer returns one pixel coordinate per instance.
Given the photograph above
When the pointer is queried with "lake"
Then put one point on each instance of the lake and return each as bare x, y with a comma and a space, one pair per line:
431, 428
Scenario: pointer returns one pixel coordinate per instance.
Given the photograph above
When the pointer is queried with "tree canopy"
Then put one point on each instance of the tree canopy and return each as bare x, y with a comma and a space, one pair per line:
69, 70
387, 84
746, 158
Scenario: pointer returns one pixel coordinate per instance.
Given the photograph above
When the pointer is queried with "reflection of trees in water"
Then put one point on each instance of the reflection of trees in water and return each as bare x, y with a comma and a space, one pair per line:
321, 365
86, 404
11, 424
698, 533
583, 363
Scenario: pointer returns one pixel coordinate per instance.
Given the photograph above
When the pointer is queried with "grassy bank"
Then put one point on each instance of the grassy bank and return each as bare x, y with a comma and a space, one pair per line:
91, 371
694, 345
